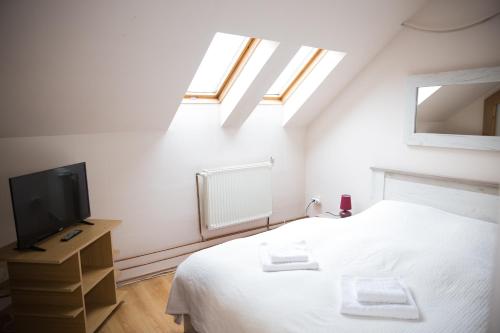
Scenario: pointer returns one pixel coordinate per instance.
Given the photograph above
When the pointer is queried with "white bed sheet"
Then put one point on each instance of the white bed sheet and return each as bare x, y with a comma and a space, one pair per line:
445, 259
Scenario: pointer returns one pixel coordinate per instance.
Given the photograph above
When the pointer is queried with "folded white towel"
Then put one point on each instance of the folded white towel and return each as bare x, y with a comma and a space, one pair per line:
351, 306
288, 252
268, 266
380, 290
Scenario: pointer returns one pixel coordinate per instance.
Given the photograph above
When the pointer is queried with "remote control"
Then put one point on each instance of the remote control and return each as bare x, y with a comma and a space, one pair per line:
70, 235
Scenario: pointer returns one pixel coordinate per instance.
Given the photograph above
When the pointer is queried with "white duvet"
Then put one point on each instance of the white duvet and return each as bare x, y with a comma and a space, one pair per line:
445, 259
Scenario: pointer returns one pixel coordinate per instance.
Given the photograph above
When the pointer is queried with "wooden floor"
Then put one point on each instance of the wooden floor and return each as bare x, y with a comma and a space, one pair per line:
144, 309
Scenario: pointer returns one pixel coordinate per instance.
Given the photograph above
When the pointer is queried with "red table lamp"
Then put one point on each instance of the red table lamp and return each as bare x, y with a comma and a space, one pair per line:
345, 205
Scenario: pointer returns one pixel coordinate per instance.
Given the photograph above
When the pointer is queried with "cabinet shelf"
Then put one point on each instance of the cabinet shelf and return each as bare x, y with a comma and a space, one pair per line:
48, 311
92, 276
98, 312
50, 286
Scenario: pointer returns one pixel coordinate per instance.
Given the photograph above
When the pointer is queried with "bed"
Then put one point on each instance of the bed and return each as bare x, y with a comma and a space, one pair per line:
445, 258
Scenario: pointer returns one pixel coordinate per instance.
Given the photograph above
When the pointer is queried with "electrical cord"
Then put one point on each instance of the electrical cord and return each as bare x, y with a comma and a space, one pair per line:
336, 215
463, 27
313, 201
309, 205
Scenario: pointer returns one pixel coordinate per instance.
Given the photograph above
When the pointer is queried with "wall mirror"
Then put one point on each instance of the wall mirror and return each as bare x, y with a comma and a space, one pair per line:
459, 109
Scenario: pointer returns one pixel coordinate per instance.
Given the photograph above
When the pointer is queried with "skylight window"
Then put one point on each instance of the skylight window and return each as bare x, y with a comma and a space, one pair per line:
309, 81
224, 58
297, 69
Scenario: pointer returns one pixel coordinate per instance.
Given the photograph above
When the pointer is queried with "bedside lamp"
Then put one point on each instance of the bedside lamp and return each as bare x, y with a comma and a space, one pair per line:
345, 205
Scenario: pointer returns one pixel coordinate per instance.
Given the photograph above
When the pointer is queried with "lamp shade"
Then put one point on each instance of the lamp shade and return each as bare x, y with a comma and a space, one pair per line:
345, 202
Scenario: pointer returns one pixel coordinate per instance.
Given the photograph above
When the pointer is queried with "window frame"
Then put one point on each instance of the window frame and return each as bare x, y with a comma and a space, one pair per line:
298, 79
228, 81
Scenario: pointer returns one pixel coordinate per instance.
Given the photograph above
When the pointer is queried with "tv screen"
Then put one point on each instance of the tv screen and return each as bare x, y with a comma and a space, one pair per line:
47, 201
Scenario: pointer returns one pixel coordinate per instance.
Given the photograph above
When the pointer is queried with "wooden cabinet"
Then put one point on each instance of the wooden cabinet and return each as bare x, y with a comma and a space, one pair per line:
68, 288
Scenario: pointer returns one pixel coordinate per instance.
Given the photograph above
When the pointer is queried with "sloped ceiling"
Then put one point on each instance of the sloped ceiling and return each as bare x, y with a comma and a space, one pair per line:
452, 99
69, 67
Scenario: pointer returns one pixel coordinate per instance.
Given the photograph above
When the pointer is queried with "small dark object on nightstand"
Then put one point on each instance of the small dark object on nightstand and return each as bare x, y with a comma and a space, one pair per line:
345, 205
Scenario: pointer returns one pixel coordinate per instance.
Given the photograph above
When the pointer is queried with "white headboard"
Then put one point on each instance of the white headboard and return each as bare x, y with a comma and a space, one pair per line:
476, 199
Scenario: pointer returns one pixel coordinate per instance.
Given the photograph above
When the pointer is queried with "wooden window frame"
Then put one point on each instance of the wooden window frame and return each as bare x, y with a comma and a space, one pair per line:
232, 75
299, 78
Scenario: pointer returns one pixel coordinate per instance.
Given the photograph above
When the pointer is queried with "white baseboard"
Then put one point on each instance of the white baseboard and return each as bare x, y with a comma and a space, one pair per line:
151, 264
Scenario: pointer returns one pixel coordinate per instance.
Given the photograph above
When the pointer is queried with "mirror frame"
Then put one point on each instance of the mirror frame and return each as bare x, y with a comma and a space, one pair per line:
476, 142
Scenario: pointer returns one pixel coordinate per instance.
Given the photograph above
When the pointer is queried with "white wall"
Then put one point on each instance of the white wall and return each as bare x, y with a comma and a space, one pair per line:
494, 322
147, 179
468, 120
364, 126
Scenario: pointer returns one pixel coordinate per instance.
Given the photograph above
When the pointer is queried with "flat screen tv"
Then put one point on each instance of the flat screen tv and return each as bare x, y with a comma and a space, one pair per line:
45, 202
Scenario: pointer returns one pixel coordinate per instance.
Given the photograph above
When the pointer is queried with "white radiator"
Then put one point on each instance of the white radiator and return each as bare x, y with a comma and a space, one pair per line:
234, 195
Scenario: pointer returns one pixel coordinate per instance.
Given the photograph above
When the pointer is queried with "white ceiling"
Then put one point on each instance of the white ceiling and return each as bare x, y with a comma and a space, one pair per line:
121, 65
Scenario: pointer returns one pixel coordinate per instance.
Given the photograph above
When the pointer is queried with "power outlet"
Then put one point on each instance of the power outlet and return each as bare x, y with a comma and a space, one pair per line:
316, 200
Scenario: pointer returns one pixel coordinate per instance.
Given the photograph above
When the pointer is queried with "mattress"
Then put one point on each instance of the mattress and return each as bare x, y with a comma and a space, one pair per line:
445, 259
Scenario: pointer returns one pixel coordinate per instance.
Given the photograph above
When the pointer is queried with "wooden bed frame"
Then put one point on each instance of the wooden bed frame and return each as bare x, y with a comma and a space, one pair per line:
471, 198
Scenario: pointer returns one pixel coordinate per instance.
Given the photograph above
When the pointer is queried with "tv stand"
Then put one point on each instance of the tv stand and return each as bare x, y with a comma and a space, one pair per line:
85, 222
70, 287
